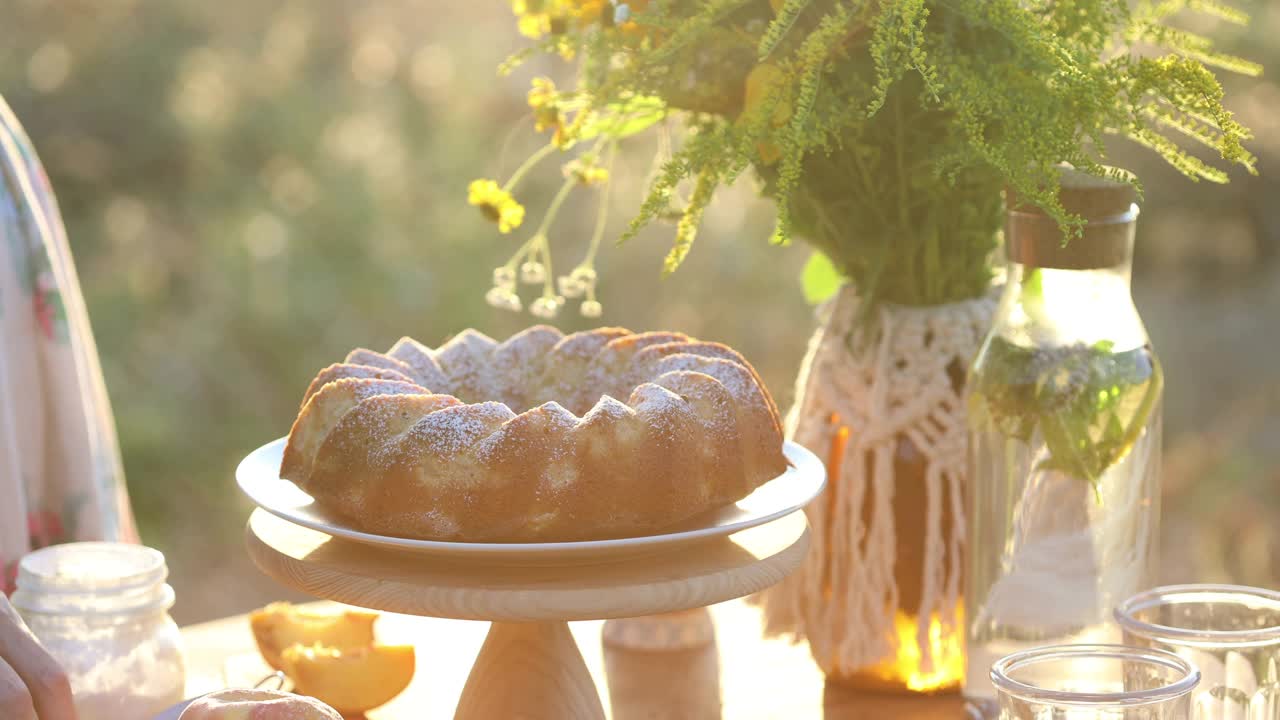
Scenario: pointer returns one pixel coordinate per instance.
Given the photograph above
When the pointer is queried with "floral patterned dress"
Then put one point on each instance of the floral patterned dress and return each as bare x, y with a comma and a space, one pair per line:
60, 472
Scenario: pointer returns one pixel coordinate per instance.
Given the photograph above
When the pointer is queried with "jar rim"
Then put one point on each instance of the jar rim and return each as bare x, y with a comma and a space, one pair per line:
1171, 595
157, 601
1002, 678
117, 579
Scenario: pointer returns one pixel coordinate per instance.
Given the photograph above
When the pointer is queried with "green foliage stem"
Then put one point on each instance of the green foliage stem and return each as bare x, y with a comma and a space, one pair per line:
888, 130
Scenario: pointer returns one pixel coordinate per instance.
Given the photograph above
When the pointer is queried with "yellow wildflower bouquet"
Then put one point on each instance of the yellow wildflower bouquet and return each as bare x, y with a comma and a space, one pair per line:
884, 130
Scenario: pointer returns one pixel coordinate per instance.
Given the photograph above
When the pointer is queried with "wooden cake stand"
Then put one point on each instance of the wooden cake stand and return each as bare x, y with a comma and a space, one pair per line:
529, 666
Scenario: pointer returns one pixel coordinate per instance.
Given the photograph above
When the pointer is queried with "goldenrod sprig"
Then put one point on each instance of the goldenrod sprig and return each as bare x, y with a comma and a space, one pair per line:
885, 131
786, 18
687, 228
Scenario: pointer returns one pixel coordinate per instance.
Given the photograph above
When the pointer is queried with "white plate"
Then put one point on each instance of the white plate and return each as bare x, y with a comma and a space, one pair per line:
259, 477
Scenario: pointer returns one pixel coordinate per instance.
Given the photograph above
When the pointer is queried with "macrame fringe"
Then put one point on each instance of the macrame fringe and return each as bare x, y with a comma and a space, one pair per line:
894, 383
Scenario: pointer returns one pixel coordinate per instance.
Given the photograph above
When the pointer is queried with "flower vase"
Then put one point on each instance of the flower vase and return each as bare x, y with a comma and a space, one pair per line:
879, 396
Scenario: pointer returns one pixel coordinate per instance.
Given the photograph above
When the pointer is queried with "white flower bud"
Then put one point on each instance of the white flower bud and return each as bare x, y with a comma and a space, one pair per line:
533, 273
585, 276
591, 309
504, 277
544, 307
503, 299
569, 287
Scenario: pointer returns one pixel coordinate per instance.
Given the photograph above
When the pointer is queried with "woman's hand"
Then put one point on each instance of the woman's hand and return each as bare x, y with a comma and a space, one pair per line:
32, 685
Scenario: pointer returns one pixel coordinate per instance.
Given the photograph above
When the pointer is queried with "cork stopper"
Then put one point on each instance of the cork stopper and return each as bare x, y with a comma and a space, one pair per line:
1108, 208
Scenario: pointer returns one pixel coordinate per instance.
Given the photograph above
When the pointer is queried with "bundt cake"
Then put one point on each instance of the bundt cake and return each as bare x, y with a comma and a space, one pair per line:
527, 440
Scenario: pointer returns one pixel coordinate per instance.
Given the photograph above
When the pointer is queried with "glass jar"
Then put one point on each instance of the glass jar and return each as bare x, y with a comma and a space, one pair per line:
1230, 632
1094, 682
1063, 407
102, 611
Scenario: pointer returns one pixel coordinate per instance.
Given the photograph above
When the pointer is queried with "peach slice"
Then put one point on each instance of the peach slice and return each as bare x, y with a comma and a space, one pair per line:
279, 625
353, 679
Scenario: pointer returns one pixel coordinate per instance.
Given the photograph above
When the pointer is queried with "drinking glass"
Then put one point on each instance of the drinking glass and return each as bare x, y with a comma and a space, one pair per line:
1093, 682
1231, 633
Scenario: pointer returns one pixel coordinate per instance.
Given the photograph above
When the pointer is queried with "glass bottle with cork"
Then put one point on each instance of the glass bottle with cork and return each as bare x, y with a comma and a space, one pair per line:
1064, 436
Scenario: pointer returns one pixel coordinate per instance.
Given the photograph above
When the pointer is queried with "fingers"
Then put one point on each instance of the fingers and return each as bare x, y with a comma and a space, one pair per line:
38, 677
15, 701
50, 691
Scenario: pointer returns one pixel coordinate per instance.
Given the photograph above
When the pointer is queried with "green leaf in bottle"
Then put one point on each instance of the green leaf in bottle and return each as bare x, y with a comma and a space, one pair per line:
1088, 403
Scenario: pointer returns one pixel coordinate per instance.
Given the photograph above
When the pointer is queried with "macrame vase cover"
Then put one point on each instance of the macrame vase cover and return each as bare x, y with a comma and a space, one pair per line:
891, 382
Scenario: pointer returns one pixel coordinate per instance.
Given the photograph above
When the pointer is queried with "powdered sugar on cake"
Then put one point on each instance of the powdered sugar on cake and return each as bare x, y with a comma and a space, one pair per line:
453, 430
696, 429
734, 378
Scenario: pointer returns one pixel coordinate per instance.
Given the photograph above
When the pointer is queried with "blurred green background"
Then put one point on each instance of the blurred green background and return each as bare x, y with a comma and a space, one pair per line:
253, 188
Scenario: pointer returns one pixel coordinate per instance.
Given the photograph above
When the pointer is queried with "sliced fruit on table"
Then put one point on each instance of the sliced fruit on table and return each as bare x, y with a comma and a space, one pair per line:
280, 625
352, 679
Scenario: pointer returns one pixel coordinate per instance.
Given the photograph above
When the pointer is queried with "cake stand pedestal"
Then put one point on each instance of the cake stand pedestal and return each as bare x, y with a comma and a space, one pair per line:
529, 666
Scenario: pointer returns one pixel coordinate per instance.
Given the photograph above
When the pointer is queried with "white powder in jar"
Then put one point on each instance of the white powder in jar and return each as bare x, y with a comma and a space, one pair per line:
133, 669
102, 611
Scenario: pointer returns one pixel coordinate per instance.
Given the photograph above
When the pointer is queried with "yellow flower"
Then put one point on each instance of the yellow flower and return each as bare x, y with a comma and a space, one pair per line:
586, 172
536, 18
567, 134
566, 50
545, 104
589, 12
546, 119
533, 26
496, 204
543, 93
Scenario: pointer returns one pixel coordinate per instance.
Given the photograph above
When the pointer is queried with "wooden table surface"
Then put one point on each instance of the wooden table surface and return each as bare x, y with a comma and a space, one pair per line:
744, 676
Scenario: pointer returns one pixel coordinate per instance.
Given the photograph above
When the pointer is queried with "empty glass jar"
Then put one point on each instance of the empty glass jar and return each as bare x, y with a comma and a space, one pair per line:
102, 611
1094, 682
1231, 633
